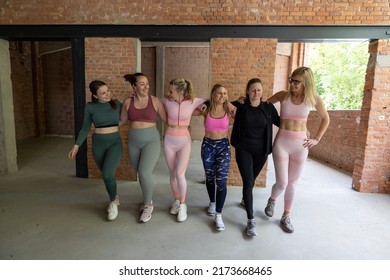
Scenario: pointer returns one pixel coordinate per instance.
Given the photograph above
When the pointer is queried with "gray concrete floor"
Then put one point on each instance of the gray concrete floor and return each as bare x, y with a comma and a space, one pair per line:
47, 213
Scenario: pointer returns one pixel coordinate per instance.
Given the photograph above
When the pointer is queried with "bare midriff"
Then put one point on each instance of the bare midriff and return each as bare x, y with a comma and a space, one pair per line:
142, 124
293, 125
216, 135
178, 126
106, 130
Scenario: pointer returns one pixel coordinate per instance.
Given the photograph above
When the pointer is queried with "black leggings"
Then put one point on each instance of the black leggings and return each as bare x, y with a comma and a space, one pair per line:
250, 166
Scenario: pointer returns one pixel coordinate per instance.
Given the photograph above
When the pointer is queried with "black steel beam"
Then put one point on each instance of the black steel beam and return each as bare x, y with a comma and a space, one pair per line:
197, 33
78, 66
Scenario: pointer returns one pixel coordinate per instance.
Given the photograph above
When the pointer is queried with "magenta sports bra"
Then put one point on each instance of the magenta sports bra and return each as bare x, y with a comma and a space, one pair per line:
289, 110
147, 114
216, 124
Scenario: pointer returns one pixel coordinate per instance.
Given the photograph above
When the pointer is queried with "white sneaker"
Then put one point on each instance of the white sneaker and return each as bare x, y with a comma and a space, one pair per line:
175, 207
112, 209
182, 213
219, 222
212, 209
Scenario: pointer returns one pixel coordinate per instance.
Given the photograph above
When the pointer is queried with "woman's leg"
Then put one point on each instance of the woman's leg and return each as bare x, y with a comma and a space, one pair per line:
208, 154
107, 152
222, 171
144, 150
245, 165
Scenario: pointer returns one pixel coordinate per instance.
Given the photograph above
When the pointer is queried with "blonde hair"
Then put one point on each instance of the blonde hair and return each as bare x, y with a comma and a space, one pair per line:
185, 86
309, 90
212, 102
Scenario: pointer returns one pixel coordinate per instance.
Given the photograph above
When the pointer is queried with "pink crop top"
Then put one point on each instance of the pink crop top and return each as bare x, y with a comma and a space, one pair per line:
147, 114
216, 124
289, 110
180, 114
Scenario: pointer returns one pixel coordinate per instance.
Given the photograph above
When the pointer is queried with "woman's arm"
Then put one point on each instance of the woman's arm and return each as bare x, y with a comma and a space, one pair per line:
277, 97
160, 108
125, 107
321, 110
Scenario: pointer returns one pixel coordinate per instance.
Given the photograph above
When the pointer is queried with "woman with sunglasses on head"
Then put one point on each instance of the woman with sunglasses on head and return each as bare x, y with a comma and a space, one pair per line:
291, 145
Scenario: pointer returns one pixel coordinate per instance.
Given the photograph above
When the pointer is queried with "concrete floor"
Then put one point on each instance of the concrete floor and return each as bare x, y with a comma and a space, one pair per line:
47, 213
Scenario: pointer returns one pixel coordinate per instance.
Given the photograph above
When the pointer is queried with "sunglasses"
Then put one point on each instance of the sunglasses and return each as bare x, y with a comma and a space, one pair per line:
295, 82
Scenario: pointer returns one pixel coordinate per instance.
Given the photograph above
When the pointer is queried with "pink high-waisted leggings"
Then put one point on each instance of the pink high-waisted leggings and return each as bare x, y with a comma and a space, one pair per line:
289, 157
177, 150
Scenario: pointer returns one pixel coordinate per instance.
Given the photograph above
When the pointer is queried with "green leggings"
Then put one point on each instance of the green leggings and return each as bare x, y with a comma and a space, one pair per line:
144, 150
107, 152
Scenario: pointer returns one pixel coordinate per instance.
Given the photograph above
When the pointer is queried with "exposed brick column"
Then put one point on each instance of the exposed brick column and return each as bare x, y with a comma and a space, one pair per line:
372, 163
233, 62
108, 59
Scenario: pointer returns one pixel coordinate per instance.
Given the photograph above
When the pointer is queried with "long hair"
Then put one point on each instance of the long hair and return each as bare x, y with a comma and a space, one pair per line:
308, 84
248, 85
94, 87
185, 86
212, 103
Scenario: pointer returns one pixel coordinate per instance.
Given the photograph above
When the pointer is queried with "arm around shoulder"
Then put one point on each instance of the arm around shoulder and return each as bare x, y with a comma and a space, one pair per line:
277, 97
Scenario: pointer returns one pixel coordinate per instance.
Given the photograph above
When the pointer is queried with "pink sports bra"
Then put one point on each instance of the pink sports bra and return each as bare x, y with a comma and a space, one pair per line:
216, 124
289, 110
147, 114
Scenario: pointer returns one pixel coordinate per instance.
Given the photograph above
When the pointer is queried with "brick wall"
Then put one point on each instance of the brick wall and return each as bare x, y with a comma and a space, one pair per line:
336, 12
338, 145
108, 60
372, 159
22, 88
58, 93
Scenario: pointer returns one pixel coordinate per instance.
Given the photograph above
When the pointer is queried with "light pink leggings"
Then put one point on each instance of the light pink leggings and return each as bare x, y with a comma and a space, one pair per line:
289, 157
177, 150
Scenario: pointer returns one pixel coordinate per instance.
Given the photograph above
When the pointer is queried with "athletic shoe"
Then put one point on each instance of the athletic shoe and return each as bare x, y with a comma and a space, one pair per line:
251, 228
219, 222
146, 213
175, 207
212, 209
112, 209
242, 202
182, 212
286, 225
269, 209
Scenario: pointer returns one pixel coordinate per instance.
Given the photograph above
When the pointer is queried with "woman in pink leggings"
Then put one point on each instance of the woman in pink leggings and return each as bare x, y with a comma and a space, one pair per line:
180, 104
290, 149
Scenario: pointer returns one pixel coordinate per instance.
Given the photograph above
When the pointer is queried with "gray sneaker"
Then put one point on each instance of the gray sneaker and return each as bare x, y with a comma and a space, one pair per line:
146, 213
269, 209
175, 207
286, 225
251, 228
